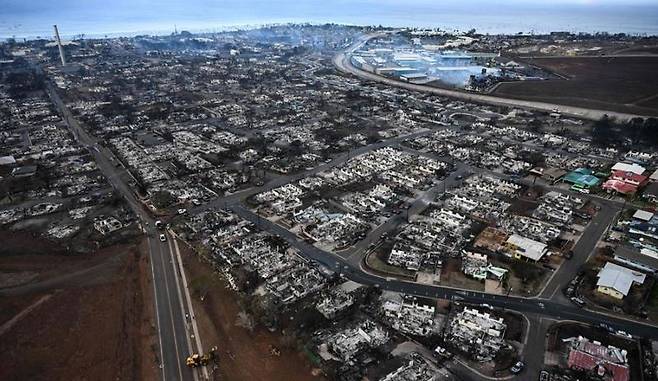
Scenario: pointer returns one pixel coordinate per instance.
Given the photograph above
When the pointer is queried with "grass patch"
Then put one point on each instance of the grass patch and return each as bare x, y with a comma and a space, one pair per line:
201, 284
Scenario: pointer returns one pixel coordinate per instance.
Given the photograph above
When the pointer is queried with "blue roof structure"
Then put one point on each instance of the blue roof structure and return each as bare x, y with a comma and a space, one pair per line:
583, 177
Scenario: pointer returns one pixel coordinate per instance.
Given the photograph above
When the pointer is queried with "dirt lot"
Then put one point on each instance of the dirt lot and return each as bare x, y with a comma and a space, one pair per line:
74, 317
452, 275
244, 355
624, 84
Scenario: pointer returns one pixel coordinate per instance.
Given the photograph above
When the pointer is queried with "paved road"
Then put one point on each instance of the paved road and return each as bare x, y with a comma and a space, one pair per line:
173, 335
535, 346
173, 331
357, 253
541, 313
480, 114
342, 62
581, 251
361, 275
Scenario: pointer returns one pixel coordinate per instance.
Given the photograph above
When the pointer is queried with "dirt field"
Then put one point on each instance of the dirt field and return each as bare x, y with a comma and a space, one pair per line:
74, 317
243, 355
624, 84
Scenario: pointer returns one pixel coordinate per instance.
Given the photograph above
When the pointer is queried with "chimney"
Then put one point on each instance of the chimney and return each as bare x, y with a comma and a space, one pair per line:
59, 45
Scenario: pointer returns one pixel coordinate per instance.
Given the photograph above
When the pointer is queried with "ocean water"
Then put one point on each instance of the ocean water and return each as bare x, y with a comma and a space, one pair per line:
94, 18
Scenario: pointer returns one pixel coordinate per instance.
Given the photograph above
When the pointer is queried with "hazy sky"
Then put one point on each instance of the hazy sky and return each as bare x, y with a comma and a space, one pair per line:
35, 17
48, 5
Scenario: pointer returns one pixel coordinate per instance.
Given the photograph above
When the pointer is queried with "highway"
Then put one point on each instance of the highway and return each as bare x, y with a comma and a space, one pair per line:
172, 324
343, 63
173, 310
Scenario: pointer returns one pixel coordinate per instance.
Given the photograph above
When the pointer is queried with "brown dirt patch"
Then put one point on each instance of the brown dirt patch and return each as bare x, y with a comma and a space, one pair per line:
243, 355
82, 318
452, 275
624, 84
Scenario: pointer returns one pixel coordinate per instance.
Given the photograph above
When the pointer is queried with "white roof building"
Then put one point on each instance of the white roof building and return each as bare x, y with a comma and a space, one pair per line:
643, 215
7, 160
527, 247
625, 167
619, 278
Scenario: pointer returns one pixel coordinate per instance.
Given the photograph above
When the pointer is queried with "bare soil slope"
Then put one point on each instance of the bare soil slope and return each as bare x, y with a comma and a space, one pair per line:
74, 317
244, 355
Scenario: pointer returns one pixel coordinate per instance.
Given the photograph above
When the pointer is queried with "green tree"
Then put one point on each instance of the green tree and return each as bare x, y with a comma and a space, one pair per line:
162, 199
650, 131
602, 130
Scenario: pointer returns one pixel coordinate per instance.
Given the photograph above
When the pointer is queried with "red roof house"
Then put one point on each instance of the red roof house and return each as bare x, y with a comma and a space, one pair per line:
609, 362
625, 182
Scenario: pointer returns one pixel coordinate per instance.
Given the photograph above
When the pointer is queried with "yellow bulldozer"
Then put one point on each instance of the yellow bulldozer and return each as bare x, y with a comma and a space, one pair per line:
196, 360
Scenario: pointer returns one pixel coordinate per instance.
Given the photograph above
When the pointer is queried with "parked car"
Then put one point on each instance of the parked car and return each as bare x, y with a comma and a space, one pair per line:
624, 334
443, 352
606, 327
163, 238
578, 301
159, 224
569, 291
182, 211
518, 367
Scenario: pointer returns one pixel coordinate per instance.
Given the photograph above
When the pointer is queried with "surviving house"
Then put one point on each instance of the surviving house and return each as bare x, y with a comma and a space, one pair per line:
606, 362
626, 178
521, 247
616, 281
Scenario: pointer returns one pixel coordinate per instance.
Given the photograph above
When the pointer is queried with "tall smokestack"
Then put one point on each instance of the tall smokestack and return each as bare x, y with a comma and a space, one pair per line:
59, 45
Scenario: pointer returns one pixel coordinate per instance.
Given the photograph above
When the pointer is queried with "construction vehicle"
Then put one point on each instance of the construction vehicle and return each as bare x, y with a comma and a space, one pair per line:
196, 360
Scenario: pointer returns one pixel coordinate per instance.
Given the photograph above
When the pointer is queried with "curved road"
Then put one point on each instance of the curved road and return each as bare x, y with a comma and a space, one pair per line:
359, 274
343, 63
353, 270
